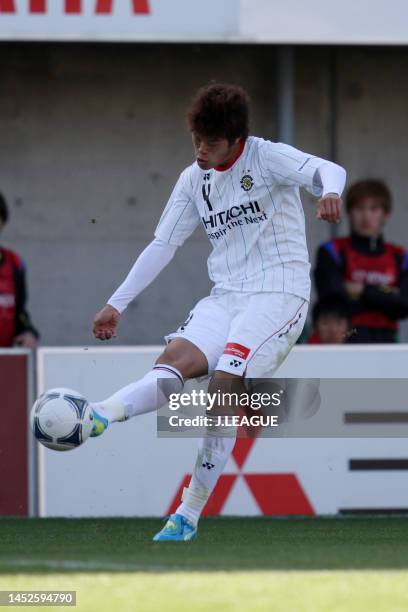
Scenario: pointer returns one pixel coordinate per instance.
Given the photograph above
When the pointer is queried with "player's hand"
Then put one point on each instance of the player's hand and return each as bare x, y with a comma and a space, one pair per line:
106, 323
329, 208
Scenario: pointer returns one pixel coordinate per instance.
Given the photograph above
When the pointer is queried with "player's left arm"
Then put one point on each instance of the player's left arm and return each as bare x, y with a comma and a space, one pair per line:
322, 178
333, 179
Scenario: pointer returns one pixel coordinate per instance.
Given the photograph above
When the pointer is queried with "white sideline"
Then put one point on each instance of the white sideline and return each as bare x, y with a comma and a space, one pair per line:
125, 567
84, 565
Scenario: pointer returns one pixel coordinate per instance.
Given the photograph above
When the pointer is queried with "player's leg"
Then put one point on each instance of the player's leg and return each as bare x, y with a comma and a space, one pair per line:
213, 453
179, 361
260, 338
214, 449
192, 350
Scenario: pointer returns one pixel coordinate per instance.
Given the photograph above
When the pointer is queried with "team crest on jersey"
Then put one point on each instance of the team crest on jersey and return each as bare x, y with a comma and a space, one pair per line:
247, 182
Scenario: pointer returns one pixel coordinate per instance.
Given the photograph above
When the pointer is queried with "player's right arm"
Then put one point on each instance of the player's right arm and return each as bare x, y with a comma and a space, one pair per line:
178, 221
148, 265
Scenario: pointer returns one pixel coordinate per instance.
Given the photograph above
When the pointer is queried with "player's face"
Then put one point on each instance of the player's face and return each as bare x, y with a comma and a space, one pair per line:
331, 329
368, 217
211, 153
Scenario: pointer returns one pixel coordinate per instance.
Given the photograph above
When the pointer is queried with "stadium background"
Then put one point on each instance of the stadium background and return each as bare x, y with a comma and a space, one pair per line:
94, 137
92, 140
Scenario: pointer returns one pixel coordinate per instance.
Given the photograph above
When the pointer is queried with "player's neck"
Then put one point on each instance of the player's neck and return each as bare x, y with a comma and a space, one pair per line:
235, 154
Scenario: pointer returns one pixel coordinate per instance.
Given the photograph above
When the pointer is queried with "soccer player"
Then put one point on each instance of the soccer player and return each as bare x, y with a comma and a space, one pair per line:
244, 192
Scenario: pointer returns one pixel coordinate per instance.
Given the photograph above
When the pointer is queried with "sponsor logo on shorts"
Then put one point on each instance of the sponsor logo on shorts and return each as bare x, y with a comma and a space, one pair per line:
237, 350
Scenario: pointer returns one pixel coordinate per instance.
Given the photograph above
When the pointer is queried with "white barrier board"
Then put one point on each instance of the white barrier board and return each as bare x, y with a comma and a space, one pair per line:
129, 471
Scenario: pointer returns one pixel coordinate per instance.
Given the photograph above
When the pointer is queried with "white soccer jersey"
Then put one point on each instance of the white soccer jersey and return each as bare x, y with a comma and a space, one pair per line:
253, 217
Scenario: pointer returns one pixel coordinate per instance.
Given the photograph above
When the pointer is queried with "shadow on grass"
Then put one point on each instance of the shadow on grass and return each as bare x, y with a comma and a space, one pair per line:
223, 544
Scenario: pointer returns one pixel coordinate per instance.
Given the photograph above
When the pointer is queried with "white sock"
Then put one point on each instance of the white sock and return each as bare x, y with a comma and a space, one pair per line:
145, 395
213, 453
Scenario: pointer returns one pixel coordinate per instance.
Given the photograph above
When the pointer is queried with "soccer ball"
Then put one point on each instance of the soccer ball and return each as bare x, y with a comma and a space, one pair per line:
61, 419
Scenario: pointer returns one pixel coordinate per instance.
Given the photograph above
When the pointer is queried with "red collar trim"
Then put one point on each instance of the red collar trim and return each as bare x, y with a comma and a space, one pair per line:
225, 167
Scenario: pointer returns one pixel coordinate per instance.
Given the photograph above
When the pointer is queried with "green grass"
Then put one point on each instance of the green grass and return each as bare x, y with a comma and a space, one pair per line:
290, 565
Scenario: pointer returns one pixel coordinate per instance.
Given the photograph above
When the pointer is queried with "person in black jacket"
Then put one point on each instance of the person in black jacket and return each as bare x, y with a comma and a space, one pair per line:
369, 272
15, 325
330, 320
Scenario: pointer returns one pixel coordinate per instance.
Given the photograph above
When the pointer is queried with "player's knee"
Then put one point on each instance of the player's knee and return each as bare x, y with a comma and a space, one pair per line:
169, 357
186, 360
170, 387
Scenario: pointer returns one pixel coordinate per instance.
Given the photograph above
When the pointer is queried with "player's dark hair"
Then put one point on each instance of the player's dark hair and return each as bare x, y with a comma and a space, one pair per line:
220, 111
4, 213
369, 188
334, 304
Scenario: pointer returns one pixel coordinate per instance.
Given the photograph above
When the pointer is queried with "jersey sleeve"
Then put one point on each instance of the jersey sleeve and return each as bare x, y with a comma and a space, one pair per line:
180, 216
286, 165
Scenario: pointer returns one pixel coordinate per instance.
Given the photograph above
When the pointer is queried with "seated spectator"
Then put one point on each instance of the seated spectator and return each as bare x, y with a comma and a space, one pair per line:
330, 320
15, 326
370, 273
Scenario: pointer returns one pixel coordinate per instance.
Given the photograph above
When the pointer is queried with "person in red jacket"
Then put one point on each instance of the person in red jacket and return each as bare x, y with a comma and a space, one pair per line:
15, 325
369, 272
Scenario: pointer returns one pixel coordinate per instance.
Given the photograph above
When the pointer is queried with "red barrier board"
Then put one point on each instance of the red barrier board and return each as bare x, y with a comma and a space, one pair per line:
13, 435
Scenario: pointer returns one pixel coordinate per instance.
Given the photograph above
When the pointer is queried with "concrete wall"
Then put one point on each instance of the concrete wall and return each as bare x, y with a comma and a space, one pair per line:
93, 139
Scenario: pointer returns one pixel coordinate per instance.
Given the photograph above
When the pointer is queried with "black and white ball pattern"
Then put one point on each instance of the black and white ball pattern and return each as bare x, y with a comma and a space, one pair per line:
61, 419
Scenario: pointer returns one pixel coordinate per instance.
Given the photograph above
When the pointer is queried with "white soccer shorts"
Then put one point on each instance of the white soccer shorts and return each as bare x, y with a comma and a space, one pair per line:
244, 333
